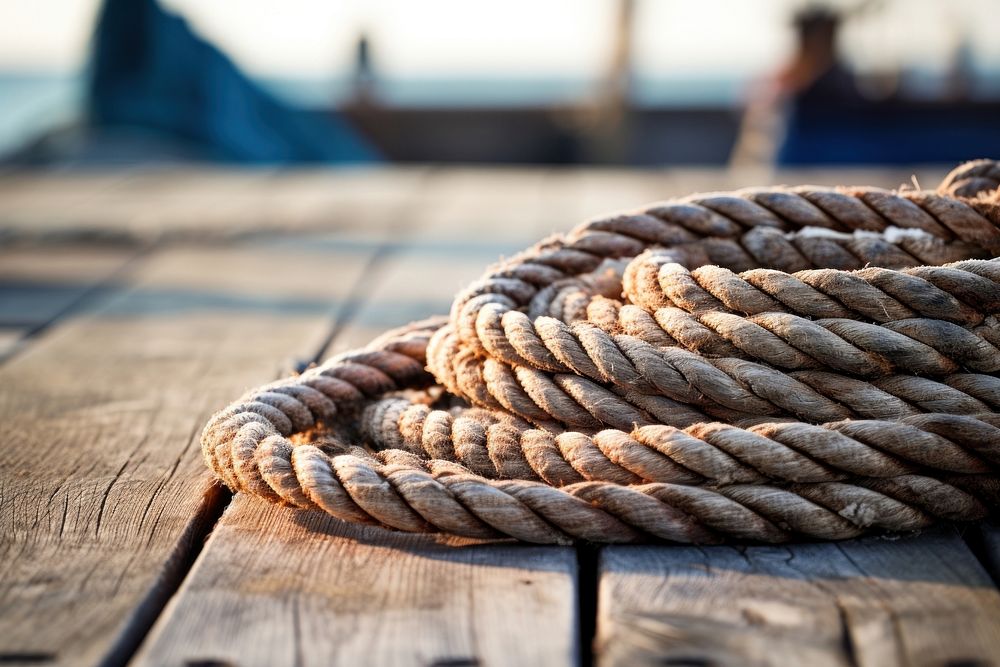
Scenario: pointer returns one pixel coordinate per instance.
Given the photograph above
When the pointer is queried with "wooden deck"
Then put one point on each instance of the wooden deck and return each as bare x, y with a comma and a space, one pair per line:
134, 304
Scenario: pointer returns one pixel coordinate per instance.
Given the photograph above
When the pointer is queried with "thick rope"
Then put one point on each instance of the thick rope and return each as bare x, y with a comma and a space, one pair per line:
763, 365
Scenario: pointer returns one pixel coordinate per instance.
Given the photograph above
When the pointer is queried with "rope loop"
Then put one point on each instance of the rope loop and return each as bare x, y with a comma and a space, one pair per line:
762, 365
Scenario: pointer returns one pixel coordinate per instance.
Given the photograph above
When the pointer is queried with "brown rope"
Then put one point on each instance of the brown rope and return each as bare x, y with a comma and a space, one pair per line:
759, 365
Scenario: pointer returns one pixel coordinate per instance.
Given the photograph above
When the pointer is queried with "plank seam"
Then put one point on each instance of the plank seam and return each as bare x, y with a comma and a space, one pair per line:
587, 575
351, 305
101, 289
218, 499
975, 540
177, 567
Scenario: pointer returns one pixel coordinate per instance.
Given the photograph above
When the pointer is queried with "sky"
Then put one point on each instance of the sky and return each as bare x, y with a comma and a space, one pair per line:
513, 38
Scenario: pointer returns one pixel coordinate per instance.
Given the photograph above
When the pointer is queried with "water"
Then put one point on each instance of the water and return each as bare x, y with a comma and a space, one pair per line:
710, 90
33, 103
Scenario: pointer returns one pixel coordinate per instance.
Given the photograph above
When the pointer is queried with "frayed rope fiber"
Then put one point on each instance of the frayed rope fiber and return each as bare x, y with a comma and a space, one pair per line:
763, 365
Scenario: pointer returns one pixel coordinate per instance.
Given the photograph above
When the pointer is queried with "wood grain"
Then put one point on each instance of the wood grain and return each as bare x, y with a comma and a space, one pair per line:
102, 489
276, 586
11, 340
104, 499
502, 203
40, 284
413, 283
203, 203
921, 600
280, 587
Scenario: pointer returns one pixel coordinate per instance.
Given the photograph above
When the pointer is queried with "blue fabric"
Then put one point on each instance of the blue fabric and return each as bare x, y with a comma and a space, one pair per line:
150, 71
891, 134
830, 123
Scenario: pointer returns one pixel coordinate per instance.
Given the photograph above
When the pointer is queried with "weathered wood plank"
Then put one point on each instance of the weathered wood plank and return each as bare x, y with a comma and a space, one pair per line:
203, 203
275, 586
503, 205
10, 341
41, 284
412, 284
364, 202
922, 600
103, 493
58, 191
225, 203
279, 587
37, 283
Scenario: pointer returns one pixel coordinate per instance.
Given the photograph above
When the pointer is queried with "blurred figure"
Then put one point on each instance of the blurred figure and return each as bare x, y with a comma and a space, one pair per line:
816, 73
363, 93
813, 112
153, 77
814, 80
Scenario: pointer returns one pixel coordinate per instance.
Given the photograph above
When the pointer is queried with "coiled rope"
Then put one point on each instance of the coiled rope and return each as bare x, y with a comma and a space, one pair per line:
765, 365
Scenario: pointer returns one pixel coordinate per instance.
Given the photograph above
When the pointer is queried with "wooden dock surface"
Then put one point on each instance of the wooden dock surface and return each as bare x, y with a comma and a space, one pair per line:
134, 304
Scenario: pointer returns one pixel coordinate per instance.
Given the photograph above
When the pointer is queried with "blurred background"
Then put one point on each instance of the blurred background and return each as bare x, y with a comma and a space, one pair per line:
614, 82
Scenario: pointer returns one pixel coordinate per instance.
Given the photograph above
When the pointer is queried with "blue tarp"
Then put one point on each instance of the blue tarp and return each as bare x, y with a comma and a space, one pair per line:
151, 72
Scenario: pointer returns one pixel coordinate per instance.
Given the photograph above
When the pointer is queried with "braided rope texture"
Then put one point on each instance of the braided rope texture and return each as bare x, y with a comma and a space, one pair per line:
762, 365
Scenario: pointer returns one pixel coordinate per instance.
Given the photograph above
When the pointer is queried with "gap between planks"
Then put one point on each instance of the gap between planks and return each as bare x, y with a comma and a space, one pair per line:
909, 600
222, 497
363, 286
330, 337
99, 538
279, 586
27, 275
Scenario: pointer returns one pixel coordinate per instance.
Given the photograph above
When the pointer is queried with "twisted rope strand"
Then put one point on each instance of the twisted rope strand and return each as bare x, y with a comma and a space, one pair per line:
765, 365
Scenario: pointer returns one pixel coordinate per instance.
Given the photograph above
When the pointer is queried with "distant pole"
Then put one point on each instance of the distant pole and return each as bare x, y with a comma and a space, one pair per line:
363, 92
609, 138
